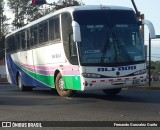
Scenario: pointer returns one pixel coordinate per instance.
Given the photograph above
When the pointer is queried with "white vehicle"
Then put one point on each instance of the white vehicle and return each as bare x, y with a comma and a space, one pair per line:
79, 48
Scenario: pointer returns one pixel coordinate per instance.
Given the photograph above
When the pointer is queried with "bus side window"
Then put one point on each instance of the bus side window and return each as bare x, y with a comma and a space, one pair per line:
19, 41
6, 44
35, 36
68, 43
72, 44
51, 30
46, 31
41, 32
31, 36
56, 28
10, 43
28, 37
23, 40
16, 42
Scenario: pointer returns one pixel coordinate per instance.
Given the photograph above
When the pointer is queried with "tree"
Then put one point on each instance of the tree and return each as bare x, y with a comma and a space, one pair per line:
40, 2
36, 11
3, 19
19, 9
3, 28
26, 12
1, 16
67, 3
33, 12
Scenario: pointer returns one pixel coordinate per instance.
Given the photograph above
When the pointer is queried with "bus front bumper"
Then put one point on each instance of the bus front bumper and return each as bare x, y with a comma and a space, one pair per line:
111, 83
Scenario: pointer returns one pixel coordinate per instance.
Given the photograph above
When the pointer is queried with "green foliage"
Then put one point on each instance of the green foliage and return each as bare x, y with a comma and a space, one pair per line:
19, 7
3, 18
67, 3
156, 64
33, 12
26, 12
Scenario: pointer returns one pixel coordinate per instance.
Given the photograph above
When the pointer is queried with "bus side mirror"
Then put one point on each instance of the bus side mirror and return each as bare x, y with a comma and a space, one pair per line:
150, 27
76, 32
139, 23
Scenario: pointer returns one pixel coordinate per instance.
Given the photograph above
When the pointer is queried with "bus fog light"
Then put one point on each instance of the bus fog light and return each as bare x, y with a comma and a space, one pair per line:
85, 83
140, 72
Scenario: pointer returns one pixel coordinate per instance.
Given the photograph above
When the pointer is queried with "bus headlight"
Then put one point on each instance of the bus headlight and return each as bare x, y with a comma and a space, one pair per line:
91, 75
140, 72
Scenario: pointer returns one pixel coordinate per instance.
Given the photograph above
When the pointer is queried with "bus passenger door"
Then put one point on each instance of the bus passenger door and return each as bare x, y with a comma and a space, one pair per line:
72, 78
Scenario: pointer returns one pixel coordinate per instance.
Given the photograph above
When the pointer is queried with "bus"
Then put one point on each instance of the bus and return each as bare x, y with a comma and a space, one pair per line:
79, 48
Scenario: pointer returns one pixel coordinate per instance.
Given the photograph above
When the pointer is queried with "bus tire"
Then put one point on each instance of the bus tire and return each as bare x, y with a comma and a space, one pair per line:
21, 86
60, 87
112, 92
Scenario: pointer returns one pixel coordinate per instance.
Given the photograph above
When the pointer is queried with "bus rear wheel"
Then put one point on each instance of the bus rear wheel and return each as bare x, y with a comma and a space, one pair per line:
112, 92
60, 87
21, 86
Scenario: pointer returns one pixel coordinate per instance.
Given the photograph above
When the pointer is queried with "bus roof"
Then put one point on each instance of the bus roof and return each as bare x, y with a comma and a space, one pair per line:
71, 9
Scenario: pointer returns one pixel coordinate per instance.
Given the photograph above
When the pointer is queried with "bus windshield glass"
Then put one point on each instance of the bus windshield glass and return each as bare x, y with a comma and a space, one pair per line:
109, 37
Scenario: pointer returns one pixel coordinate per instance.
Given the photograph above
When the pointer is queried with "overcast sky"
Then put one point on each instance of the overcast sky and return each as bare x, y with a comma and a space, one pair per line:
151, 9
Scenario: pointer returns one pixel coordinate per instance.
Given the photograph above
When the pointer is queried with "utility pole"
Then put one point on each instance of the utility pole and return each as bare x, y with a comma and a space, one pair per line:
139, 16
1, 18
149, 73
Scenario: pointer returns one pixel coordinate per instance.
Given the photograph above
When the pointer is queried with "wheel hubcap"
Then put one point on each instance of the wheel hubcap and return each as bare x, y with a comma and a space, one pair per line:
61, 84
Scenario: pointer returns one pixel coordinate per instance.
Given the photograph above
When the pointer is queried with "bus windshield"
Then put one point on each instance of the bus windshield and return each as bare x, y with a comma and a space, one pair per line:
109, 37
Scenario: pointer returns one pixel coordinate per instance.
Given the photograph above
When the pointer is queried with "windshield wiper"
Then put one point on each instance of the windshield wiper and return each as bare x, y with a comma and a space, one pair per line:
121, 45
105, 47
104, 51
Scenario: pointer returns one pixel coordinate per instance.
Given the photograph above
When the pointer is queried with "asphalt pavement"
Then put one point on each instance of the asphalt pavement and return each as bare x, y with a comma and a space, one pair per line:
44, 105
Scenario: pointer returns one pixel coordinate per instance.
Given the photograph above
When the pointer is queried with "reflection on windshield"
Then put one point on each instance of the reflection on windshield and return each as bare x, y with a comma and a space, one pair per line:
103, 45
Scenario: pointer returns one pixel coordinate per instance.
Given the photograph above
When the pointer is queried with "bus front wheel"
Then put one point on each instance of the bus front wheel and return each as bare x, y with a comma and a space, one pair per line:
112, 92
60, 87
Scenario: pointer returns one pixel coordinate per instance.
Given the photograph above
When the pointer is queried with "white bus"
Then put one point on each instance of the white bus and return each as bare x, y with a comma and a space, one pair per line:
79, 48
